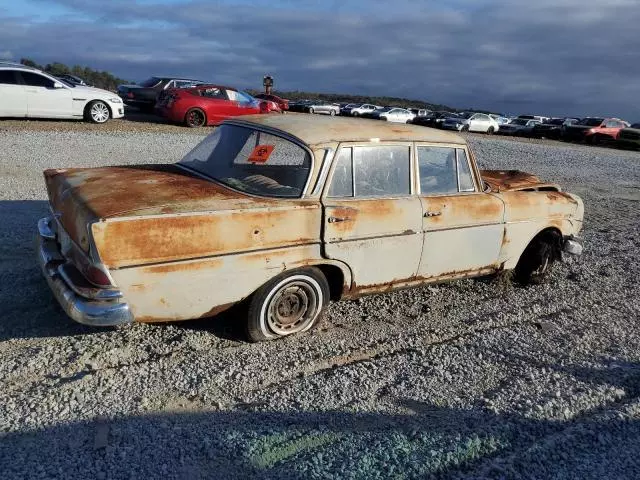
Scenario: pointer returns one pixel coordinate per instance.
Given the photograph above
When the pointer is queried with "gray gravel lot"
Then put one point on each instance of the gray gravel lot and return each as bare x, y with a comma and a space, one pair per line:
473, 379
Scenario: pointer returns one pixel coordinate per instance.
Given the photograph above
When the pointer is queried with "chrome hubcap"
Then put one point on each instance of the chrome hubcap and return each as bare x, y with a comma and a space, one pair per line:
292, 308
99, 112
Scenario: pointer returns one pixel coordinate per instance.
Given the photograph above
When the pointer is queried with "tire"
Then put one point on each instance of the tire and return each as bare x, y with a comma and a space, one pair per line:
465, 128
311, 110
355, 114
195, 118
97, 111
290, 303
536, 262
490, 131
332, 113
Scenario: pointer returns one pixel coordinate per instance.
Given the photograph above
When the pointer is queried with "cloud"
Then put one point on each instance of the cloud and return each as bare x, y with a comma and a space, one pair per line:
557, 57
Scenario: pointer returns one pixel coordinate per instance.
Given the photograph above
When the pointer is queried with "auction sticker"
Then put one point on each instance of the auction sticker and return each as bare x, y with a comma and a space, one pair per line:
261, 153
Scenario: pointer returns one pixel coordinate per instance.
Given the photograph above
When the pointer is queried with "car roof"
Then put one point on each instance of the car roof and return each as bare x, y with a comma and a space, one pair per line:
317, 129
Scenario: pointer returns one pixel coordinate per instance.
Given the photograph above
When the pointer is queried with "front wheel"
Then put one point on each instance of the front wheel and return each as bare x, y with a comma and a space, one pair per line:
97, 112
311, 110
490, 131
288, 304
538, 258
332, 113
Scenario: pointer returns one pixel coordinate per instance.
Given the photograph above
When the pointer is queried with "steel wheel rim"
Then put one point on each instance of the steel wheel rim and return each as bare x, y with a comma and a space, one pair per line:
292, 306
195, 118
99, 112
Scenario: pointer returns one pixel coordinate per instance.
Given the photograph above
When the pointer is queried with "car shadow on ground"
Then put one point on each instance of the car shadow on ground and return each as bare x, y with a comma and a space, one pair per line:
28, 309
424, 441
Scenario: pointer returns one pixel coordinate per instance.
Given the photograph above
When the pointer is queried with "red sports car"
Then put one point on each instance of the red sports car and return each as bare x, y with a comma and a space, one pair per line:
209, 105
283, 103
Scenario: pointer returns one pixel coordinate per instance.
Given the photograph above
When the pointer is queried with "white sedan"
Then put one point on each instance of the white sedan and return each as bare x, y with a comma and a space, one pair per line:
477, 122
27, 92
397, 115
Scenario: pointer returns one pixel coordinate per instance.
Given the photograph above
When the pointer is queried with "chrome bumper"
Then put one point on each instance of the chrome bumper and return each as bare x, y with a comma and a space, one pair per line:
572, 246
86, 304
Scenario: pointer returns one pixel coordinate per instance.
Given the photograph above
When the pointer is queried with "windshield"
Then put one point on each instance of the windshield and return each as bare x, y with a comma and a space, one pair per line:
556, 121
66, 82
591, 122
252, 161
519, 121
635, 125
150, 82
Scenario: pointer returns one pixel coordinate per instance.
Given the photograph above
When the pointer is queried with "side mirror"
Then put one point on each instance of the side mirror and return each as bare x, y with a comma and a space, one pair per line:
57, 85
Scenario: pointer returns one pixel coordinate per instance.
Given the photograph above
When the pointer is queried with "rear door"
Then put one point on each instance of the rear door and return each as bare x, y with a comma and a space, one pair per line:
44, 100
13, 97
372, 221
463, 226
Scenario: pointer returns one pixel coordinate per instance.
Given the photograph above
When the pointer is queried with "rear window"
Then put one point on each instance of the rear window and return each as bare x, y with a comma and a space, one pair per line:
151, 82
591, 122
252, 161
7, 77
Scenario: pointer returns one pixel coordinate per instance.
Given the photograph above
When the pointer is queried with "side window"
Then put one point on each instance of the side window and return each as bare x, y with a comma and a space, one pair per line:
342, 181
437, 167
381, 171
214, 93
36, 80
7, 77
464, 172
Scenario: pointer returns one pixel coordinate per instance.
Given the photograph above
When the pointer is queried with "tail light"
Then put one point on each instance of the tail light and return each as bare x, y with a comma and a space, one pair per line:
97, 276
130, 95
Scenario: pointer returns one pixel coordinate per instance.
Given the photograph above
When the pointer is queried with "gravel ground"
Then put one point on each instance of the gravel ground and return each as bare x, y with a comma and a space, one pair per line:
473, 379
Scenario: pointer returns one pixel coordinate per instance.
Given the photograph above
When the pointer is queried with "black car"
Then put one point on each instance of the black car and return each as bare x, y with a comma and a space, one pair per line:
300, 106
434, 119
552, 128
145, 95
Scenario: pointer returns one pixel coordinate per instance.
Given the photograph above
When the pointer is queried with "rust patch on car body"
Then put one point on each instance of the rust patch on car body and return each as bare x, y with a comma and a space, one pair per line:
508, 180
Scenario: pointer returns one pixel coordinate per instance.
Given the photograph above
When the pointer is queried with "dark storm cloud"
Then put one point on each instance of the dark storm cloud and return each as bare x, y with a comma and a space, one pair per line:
554, 57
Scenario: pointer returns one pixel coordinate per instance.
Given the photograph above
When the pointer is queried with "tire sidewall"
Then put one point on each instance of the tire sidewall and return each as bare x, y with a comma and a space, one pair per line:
186, 118
257, 325
90, 117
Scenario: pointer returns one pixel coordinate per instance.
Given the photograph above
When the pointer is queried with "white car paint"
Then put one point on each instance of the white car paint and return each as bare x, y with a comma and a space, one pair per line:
478, 122
366, 108
51, 98
397, 115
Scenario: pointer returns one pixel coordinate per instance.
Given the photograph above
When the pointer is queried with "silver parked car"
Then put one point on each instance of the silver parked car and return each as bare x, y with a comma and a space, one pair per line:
323, 107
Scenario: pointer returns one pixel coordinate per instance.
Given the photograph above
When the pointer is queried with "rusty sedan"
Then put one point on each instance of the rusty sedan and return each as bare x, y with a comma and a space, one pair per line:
279, 215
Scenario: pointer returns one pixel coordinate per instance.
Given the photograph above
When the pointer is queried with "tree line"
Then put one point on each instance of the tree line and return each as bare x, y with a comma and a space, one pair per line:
95, 78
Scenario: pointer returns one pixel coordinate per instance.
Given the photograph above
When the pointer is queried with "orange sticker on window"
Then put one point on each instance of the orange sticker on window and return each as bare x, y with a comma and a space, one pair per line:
261, 153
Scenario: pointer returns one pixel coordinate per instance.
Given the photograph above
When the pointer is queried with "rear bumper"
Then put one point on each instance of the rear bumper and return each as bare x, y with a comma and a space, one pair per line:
84, 303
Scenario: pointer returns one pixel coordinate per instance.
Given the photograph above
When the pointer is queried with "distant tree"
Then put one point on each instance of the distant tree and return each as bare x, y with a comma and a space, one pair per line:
100, 79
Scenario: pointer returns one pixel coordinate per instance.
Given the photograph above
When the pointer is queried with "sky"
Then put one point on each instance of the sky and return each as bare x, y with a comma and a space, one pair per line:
543, 57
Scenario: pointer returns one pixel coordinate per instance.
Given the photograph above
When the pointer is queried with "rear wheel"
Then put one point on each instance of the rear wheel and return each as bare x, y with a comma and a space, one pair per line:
288, 304
311, 110
97, 112
538, 258
332, 113
195, 118
490, 131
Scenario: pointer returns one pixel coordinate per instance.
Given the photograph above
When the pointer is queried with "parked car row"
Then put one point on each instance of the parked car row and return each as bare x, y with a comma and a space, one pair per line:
27, 92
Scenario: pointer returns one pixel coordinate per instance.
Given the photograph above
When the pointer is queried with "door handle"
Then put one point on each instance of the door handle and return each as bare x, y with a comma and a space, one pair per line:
337, 219
432, 214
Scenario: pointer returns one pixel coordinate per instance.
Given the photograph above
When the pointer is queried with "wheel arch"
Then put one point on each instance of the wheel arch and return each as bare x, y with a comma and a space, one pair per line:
85, 110
547, 231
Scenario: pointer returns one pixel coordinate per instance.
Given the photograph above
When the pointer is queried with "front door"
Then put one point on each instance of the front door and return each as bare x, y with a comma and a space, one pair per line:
13, 98
44, 100
463, 227
372, 222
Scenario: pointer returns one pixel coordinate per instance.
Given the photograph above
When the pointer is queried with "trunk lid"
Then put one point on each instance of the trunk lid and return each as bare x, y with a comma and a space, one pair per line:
81, 196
